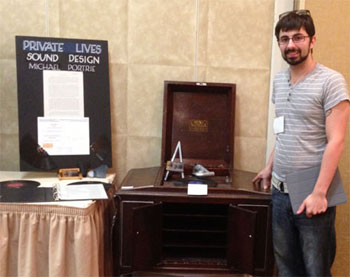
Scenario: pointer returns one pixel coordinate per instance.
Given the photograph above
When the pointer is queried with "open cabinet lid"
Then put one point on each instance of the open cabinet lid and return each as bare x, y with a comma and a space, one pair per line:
201, 116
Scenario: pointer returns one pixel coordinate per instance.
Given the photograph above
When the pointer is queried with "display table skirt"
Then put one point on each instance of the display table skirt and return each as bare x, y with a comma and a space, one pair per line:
54, 240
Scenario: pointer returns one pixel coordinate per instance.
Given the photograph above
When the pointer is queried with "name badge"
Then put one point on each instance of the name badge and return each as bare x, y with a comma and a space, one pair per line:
278, 125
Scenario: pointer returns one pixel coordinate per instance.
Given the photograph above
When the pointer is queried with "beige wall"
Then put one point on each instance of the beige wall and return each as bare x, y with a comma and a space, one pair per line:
155, 40
149, 42
332, 23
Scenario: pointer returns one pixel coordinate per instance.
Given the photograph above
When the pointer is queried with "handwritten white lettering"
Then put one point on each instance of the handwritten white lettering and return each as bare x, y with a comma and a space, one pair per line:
43, 46
83, 59
36, 57
78, 67
88, 48
43, 66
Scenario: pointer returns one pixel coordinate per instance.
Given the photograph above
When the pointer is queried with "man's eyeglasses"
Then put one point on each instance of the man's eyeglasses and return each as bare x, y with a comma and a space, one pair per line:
298, 12
298, 38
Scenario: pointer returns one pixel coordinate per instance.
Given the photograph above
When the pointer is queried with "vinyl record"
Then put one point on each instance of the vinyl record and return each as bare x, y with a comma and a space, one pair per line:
17, 184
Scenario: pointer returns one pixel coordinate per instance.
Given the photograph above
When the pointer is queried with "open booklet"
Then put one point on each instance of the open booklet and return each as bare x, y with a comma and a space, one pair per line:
79, 192
301, 183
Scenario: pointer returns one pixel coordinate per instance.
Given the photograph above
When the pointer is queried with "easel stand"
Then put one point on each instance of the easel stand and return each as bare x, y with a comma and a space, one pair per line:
172, 166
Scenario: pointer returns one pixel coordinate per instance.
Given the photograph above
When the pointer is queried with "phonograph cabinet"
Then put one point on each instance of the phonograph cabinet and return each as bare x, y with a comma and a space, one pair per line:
160, 227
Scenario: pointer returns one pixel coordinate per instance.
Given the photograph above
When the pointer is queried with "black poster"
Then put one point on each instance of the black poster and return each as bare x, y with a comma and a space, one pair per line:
35, 57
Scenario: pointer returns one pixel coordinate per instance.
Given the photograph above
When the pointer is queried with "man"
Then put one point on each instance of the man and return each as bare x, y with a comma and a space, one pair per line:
312, 109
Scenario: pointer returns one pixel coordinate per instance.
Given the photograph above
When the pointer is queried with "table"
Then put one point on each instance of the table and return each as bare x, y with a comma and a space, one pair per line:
68, 238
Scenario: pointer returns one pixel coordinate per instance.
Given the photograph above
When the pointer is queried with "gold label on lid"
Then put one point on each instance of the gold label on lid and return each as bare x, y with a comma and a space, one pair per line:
197, 125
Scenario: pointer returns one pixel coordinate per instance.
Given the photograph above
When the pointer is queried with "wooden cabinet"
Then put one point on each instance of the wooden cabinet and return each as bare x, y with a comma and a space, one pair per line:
158, 227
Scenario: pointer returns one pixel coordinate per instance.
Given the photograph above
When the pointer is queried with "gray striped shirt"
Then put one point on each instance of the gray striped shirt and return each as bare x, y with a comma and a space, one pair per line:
303, 106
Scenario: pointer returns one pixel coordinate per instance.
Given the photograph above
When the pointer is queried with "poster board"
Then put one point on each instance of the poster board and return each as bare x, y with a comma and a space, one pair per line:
63, 103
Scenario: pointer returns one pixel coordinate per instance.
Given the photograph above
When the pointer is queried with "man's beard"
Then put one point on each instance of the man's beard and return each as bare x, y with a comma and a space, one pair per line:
297, 61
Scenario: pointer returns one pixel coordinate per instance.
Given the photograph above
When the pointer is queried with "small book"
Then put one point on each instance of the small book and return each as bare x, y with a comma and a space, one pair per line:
79, 192
301, 183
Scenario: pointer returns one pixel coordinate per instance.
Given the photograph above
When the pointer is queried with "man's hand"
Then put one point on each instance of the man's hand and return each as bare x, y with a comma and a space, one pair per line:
263, 178
315, 203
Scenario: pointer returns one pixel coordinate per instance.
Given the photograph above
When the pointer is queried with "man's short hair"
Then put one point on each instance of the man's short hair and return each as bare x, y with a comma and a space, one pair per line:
295, 20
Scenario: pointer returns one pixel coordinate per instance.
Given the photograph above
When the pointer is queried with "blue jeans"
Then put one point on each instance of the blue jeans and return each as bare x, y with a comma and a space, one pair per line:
302, 246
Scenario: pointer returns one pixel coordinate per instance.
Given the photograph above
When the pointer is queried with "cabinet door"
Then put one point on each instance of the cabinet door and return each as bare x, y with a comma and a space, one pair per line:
241, 239
147, 232
263, 253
